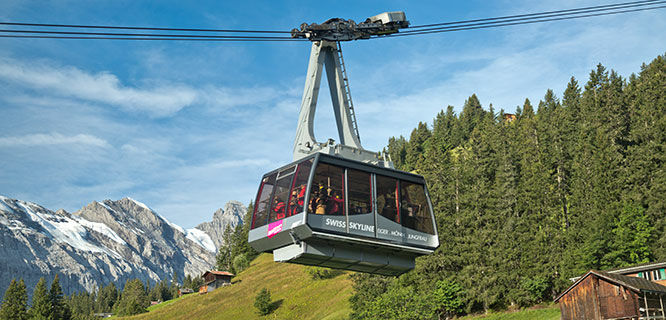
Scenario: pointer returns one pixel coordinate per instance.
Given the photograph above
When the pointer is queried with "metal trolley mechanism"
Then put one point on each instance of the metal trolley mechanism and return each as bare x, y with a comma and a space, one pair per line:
339, 205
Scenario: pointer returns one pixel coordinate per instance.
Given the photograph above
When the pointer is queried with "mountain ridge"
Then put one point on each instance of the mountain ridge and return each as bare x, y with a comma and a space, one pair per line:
107, 241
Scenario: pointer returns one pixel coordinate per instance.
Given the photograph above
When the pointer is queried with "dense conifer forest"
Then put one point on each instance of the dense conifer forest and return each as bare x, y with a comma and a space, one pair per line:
525, 201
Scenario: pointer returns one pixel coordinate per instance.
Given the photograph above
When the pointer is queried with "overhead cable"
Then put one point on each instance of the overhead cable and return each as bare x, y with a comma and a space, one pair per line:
24, 24
82, 32
570, 11
144, 35
514, 22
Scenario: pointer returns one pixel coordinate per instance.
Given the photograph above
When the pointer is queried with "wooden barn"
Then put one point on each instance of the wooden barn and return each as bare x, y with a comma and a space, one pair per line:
214, 280
602, 295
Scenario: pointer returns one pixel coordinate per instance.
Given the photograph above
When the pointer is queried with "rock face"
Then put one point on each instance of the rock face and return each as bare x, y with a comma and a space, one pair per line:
109, 241
232, 215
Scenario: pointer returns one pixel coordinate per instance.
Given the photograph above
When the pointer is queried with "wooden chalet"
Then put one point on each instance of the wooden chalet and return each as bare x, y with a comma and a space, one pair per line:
214, 280
604, 295
184, 291
508, 117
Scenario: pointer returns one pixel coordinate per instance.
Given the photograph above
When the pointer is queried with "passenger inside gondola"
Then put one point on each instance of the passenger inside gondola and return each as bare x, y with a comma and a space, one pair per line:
320, 202
278, 209
335, 204
296, 200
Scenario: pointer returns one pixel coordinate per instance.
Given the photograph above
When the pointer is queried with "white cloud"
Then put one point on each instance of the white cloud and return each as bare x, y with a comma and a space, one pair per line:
221, 97
103, 87
40, 139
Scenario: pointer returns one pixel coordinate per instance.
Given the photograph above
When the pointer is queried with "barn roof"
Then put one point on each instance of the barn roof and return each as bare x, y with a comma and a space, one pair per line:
218, 273
634, 283
639, 267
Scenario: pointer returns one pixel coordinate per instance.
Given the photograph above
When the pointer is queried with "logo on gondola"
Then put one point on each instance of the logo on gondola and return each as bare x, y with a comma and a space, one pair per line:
274, 228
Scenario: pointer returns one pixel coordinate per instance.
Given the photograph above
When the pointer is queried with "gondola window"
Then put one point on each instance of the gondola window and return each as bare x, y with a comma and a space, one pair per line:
263, 201
327, 194
282, 185
297, 198
360, 192
387, 198
414, 211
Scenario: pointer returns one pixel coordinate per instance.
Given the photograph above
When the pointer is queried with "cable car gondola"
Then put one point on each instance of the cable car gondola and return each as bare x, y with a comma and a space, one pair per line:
339, 205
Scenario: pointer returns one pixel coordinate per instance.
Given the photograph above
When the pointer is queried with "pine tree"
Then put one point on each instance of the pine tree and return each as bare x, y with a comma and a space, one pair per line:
106, 298
647, 142
15, 302
175, 285
133, 299
59, 310
41, 303
263, 302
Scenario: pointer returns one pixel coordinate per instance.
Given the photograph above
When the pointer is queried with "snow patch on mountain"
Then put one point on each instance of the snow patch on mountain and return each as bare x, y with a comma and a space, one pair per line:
141, 204
64, 230
101, 228
202, 238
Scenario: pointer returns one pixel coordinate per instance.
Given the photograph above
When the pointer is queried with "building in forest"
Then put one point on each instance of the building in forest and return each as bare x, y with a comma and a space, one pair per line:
605, 295
214, 280
508, 117
653, 271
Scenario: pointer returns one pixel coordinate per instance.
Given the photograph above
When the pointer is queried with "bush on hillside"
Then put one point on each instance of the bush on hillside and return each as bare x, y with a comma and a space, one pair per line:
263, 302
319, 273
241, 262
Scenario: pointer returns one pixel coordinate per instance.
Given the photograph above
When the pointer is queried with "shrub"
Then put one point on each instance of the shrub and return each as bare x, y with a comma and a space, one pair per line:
263, 302
241, 263
534, 290
448, 298
319, 273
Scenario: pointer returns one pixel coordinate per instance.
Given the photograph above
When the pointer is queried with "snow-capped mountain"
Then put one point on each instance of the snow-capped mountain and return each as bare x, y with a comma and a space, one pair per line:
109, 241
232, 215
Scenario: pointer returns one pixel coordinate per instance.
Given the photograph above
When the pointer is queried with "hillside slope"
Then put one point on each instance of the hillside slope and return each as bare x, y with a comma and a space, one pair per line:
291, 287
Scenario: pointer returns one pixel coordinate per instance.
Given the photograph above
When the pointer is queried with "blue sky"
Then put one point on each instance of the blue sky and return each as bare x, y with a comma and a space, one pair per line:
185, 127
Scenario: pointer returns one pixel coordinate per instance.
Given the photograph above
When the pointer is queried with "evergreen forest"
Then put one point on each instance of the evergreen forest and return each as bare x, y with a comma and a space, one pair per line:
527, 200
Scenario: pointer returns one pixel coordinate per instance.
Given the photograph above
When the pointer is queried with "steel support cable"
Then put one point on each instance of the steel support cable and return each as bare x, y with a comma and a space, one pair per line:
530, 14
24, 24
145, 35
139, 38
515, 23
456, 25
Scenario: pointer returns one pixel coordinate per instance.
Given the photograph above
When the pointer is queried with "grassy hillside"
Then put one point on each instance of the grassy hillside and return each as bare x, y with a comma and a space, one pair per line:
298, 296
548, 313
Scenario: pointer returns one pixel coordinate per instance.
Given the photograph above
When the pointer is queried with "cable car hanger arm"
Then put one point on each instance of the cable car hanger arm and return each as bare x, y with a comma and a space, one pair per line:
326, 53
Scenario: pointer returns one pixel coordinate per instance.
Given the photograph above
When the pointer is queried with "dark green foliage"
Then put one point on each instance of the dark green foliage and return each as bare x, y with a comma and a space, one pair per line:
367, 288
82, 305
533, 291
400, 303
240, 263
106, 298
15, 302
41, 304
448, 298
59, 310
161, 292
236, 254
320, 273
523, 205
133, 299
263, 302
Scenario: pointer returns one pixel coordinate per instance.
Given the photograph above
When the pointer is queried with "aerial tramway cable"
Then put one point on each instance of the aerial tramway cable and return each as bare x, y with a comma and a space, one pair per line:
512, 22
528, 15
25, 30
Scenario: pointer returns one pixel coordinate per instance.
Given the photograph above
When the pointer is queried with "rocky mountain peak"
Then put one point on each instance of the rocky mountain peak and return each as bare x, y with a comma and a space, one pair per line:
231, 216
108, 241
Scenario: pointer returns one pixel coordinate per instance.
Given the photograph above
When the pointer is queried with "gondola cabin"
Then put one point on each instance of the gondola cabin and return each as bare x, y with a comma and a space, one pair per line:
333, 212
